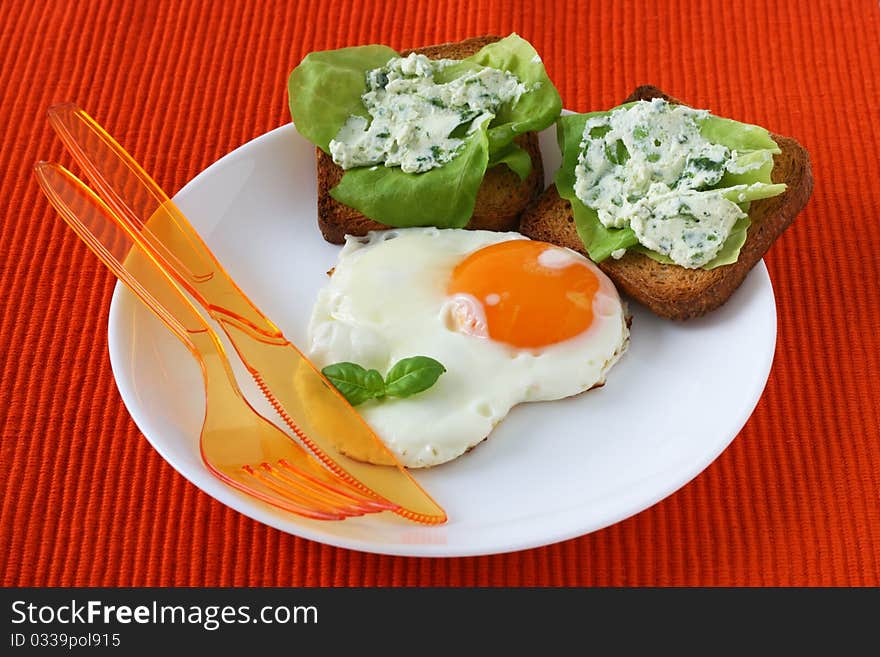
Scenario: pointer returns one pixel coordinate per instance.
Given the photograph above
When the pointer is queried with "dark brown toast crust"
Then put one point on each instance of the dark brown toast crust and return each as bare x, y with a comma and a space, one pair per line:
500, 200
669, 290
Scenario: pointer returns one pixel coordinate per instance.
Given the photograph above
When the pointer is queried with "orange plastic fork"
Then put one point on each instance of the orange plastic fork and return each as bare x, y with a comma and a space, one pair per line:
237, 444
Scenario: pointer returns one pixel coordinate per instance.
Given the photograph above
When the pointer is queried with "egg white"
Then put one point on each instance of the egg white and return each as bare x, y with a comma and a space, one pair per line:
386, 300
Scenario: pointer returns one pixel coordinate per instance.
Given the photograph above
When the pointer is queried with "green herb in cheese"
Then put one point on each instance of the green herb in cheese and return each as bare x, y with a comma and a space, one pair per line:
416, 122
649, 168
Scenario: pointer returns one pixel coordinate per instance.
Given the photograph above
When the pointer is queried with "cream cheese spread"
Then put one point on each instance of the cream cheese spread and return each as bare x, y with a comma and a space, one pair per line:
649, 168
416, 122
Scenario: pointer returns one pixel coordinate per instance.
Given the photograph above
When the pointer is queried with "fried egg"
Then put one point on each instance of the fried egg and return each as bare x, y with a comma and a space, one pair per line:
512, 320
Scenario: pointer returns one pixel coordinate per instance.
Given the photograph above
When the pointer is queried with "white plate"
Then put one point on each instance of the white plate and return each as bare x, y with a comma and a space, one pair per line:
549, 472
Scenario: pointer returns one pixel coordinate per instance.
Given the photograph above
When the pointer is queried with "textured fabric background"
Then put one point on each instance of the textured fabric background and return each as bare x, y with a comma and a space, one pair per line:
795, 500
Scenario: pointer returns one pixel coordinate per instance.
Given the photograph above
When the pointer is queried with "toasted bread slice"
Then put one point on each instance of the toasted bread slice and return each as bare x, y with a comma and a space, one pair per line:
500, 200
670, 290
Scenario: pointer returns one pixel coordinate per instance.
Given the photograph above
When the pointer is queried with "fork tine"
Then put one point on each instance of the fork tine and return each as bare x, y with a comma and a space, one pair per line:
282, 495
282, 483
257, 488
292, 478
308, 469
339, 487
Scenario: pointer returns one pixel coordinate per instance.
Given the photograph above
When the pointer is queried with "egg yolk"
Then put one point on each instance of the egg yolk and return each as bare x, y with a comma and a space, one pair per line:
531, 294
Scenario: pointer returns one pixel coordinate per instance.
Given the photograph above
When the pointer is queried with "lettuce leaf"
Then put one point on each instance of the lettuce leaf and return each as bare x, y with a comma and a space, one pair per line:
516, 158
737, 136
753, 192
326, 87
445, 198
598, 240
754, 147
536, 109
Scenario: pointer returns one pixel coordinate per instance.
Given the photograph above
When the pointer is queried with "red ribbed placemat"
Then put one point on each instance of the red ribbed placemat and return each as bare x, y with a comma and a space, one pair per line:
795, 500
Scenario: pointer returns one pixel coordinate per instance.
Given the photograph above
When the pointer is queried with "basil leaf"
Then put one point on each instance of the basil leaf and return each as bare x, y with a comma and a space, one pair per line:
412, 375
374, 382
355, 383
